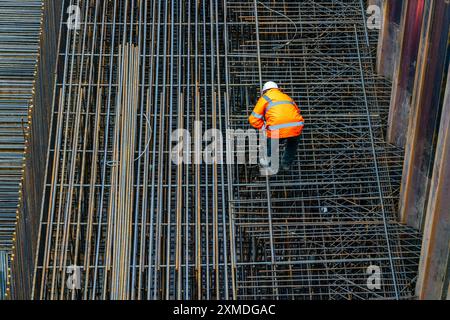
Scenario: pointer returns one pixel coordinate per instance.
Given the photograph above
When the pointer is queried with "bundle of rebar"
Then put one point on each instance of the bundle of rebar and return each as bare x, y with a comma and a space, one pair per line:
19, 50
136, 225
120, 209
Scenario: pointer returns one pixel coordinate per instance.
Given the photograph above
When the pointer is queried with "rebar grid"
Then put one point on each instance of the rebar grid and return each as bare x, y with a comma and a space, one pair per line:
334, 216
141, 227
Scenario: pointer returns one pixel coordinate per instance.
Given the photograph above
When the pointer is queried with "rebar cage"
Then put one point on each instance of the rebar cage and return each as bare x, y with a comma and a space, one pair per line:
139, 226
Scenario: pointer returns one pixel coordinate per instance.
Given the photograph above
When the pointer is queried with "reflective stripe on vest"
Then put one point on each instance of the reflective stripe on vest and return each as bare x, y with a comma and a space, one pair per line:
267, 99
286, 125
279, 103
257, 115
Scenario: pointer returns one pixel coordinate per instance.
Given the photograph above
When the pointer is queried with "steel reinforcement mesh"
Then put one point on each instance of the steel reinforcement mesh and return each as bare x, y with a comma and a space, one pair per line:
138, 226
333, 218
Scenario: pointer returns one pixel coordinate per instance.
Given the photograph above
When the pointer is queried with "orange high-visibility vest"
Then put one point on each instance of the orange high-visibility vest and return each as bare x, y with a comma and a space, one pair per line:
279, 113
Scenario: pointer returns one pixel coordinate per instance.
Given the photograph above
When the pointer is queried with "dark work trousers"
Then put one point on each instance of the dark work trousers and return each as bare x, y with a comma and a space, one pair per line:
290, 151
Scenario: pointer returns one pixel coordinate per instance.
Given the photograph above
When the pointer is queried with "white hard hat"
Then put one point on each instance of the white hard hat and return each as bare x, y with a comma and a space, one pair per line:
269, 85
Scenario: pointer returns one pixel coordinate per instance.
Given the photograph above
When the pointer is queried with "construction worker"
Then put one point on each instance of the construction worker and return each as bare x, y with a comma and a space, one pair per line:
280, 116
